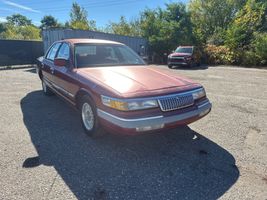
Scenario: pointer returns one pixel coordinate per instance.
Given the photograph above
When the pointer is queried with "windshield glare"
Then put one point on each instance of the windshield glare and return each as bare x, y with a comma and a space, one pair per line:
87, 55
184, 50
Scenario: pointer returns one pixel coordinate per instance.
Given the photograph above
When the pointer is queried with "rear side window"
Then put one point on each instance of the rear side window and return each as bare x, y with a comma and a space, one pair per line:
52, 52
64, 51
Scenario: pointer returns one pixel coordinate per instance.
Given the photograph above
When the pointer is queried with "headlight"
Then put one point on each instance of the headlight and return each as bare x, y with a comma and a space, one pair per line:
199, 94
127, 105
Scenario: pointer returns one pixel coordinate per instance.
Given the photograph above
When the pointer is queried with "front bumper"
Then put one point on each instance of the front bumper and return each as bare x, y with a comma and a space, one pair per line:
173, 61
177, 63
155, 122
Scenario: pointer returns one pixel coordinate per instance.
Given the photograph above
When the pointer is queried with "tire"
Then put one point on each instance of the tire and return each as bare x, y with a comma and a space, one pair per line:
46, 90
89, 118
170, 66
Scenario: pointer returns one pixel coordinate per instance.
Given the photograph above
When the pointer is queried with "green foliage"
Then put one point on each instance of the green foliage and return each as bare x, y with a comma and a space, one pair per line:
78, 19
123, 27
18, 20
19, 27
218, 38
28, 32
78, 13
167, 29
210, 15
3, 28
248, 20
249, 58
48, 21
259, 45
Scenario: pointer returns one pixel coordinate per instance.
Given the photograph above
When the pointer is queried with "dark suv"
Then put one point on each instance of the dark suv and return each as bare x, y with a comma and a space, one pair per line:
185, 56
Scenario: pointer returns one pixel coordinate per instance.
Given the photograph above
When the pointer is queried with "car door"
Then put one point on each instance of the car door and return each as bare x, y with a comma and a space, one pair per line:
48, 64
64, 77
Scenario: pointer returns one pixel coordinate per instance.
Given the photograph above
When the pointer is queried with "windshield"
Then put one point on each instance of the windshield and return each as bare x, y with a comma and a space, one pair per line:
87, 55
184, 50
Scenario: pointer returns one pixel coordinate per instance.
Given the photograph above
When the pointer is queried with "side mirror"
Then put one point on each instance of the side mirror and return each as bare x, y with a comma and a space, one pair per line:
60, 62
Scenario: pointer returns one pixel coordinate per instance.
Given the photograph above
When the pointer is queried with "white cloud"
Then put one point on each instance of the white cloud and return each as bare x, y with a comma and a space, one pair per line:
2, 19
20, 6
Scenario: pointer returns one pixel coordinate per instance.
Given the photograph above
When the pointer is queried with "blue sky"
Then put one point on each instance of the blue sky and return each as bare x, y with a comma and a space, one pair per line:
102, 11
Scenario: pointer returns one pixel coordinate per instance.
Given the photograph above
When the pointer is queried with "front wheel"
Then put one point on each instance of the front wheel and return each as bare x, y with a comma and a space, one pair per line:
89, 117
170, 66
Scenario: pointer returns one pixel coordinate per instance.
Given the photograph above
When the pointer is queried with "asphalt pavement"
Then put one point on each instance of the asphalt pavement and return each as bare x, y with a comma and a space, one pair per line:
44, 153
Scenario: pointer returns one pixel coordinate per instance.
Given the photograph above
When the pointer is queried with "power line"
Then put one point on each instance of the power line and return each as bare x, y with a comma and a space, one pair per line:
91, 4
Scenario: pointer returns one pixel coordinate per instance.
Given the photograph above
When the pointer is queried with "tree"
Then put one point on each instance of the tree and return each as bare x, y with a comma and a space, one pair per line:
29, 32
18, 20
19, 27
167, 29
2, 27
123, 27
78, 17
48, 21
212, 16
260, 47
249, 20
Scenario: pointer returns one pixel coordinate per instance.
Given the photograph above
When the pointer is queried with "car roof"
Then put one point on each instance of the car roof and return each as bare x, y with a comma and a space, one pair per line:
89, 41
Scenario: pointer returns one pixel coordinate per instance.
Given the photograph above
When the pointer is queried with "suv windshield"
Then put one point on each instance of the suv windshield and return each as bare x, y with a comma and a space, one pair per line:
184, 50
87, 55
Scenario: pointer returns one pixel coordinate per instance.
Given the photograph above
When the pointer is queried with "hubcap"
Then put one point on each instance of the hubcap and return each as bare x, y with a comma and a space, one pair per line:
87, 116
44, 86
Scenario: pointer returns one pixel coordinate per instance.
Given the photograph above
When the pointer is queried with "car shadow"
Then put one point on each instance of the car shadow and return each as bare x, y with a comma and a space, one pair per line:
178, 164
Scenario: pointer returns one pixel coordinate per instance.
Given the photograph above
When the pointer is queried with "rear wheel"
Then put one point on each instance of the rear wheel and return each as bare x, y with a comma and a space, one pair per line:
89, 117
46, 90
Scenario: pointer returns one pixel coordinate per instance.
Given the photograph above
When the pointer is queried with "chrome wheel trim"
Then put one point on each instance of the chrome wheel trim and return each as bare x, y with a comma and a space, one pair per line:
88, 116
44, 87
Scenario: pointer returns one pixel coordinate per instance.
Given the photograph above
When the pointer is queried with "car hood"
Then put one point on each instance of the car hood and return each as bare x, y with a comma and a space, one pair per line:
181, 54
139, 80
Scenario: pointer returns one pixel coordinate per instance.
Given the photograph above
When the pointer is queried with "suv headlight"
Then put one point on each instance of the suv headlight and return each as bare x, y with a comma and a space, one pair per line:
128, 105
199, 94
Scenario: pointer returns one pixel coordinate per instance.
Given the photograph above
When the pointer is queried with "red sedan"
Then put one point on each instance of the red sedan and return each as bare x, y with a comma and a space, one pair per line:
112, 88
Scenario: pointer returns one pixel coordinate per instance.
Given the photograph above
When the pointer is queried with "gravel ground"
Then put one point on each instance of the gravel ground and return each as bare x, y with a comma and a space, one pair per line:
44, 153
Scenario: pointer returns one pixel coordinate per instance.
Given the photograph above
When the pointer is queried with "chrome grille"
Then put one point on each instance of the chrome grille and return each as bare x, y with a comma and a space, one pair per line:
175, 102
177, 59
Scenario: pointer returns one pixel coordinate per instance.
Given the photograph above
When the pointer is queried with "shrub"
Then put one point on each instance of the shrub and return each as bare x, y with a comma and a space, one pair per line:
249, 58
260, 47
219, 55
257, 53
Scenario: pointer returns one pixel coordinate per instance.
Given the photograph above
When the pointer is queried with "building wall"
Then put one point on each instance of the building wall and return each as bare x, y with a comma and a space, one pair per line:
52, 35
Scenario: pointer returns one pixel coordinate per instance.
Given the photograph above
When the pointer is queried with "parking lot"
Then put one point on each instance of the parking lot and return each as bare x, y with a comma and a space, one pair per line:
44, 153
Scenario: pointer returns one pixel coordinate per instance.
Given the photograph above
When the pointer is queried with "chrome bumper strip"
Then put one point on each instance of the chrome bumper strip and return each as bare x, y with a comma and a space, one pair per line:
151, 121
